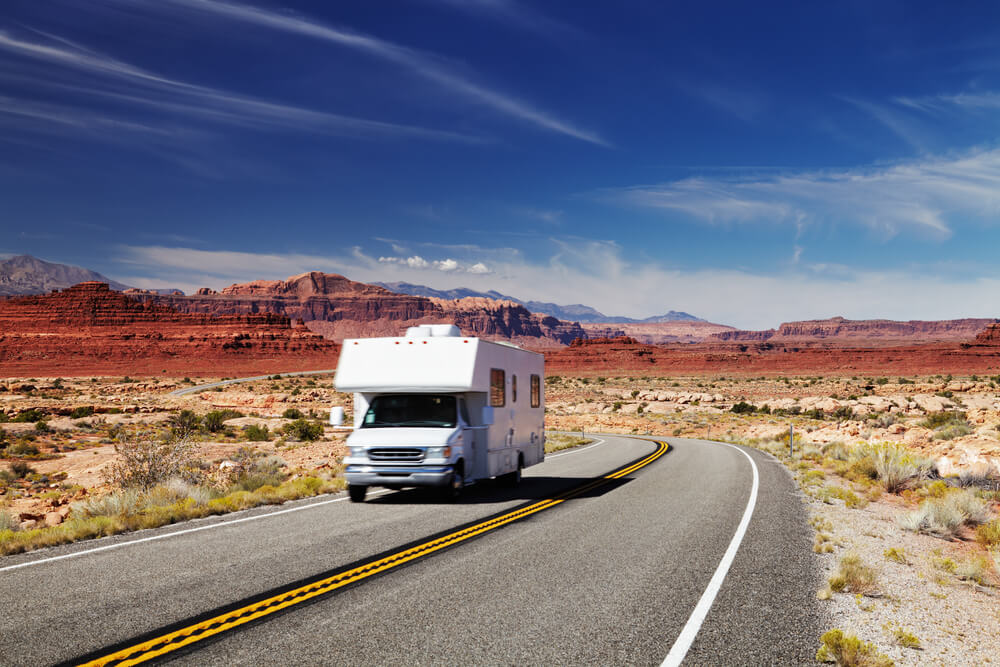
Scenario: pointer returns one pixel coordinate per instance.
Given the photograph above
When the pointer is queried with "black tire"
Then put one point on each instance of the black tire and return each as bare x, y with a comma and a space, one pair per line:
357, 492
453, 490
512, 479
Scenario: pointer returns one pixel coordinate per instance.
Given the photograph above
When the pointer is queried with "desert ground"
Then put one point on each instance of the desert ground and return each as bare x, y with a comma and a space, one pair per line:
919, 588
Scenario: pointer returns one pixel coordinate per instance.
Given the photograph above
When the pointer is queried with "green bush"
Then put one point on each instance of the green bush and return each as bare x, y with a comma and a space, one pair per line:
743, 408
81, 412
21, 449
945, 418
32, 415
303, 429
256, 433
215, 420
184, 423
292, 413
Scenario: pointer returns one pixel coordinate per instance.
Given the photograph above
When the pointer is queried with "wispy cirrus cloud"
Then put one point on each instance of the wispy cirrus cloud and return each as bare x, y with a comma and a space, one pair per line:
930, 195
122, 82
594, 273
514, 13
429, 67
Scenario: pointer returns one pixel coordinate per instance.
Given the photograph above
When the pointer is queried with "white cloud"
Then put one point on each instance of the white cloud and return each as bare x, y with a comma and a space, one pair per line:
929, 195
445, 265
422, 64
597, 273
171, 95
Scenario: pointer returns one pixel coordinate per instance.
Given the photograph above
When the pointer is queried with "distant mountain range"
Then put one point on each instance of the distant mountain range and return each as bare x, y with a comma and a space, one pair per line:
576, 312
24, 274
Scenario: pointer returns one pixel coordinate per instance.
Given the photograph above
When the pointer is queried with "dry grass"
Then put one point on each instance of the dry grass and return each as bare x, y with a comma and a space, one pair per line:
853, 576
943, 517
557, 441
127, 510
849, 651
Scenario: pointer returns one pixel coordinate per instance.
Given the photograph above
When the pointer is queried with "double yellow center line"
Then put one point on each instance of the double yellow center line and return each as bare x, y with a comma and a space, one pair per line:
190, 634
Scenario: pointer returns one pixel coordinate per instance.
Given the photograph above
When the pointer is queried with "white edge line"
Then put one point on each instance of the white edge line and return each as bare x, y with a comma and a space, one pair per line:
221, 524
687, 636
600, 441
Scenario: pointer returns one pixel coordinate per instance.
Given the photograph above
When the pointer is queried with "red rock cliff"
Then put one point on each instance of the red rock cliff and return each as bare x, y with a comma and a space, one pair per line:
89, 328
340, 308
863, 332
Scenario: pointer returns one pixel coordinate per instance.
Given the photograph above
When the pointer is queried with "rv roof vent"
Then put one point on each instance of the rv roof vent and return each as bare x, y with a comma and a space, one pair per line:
433, 331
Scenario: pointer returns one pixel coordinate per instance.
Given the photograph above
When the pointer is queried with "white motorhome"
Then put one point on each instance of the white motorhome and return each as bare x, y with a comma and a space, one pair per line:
436, 408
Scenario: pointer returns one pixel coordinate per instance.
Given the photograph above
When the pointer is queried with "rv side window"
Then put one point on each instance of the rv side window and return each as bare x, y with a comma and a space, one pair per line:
463, 411
536, 391
498, 390
513, 389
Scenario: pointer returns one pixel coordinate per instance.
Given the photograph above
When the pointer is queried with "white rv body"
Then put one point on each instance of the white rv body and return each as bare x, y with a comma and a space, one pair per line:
498, 391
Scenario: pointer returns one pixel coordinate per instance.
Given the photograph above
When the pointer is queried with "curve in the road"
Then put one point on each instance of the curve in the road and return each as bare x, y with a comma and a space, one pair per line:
223, 383
165, 641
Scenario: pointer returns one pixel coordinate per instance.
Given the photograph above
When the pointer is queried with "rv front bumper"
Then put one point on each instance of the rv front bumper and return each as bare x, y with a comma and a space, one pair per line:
364, 475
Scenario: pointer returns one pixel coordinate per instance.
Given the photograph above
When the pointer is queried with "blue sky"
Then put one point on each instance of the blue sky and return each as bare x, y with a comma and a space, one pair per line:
749, 163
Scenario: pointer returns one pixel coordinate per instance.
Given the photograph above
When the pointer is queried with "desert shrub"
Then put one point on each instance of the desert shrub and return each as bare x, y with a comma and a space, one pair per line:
853, 576
116, 503
836, 450
253, 469
303, 429
976, 569
896, 555
742, 408
81, 412
988, 534
896, 467
851, 499
256, 433
215, 420
42, 426
21, 449
7, 521
849, 651
21, 469
844, 412
145, 460
32, 415
292, 413
943, 517
981, 475
952, 431
184, 424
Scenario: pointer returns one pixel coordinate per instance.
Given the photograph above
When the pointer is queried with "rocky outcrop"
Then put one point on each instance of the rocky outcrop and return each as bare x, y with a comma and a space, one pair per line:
657, 333
92, 329
863, 332
989, 336
338, 308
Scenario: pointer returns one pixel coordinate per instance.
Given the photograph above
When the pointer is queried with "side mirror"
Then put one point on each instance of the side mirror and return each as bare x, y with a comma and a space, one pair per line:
488, 415
336, 416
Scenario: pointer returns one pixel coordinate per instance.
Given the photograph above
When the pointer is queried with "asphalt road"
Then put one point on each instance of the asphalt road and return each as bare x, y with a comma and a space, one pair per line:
611, 576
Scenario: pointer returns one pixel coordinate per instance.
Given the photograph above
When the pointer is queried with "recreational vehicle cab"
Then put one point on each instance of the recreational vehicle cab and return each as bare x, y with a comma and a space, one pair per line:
436, 408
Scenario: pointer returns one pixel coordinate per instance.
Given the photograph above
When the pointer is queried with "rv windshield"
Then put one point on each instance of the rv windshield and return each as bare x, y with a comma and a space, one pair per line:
420, 410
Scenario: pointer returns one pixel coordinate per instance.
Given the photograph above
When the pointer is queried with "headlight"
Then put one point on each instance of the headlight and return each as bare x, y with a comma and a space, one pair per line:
438, 452
357, 451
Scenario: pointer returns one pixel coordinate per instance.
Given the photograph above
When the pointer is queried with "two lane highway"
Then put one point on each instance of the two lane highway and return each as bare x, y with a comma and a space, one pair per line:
611, 575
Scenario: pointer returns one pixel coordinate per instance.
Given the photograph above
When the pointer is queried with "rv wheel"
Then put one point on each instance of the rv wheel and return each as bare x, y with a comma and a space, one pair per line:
512, 479
357, 492
455, 485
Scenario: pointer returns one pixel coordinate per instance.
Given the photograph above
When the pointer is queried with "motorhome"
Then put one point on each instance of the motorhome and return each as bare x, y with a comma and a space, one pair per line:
436, 408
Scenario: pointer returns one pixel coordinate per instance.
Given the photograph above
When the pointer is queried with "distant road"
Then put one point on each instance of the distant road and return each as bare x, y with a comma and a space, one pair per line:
223, 383
617, 574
